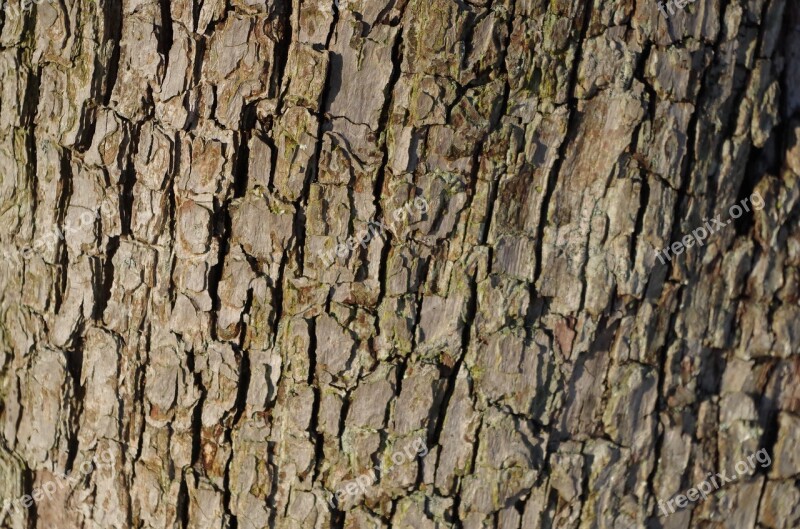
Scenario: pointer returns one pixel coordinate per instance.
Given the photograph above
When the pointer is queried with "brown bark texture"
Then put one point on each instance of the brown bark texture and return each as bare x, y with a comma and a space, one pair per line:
395, 263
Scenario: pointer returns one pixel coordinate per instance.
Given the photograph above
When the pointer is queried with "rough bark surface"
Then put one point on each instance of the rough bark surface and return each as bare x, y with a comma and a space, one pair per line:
523, 327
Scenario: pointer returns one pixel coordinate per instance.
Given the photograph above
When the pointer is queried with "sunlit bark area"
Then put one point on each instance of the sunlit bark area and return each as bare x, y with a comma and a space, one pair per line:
399, 264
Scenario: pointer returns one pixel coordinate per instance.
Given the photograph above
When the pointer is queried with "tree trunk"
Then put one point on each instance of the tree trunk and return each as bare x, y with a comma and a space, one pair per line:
398, 263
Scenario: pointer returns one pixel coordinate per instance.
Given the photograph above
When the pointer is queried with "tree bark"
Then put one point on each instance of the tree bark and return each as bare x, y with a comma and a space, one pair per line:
188, 290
